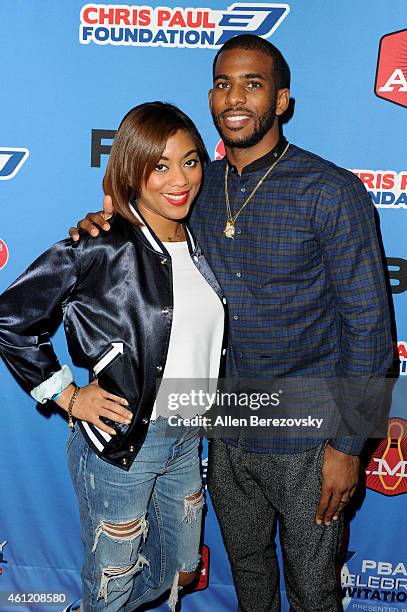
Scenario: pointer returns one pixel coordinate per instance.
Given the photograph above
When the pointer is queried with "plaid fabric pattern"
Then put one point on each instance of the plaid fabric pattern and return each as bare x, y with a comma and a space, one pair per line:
303, 276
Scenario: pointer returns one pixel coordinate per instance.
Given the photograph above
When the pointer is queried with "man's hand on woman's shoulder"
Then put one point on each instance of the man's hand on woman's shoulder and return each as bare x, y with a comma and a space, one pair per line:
93, 221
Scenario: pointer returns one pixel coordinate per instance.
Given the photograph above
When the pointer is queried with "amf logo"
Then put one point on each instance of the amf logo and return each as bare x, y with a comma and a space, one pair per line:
391, 72
387, 469
123, 24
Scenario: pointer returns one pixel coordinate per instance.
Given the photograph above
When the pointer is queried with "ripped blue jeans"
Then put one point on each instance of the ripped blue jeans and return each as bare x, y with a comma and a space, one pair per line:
142, 527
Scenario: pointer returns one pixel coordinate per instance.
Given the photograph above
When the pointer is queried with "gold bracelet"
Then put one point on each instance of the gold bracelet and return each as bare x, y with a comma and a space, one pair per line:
70, 406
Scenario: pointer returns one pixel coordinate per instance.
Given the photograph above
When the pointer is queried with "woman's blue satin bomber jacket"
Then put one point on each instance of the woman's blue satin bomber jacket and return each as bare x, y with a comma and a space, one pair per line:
116, 288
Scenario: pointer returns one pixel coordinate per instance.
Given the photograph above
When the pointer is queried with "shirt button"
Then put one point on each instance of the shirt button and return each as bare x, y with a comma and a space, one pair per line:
145, 421
243, 189
163, 260
238, 231
235, 317
165, 311
240, 355
238, 274
159, 368
124, 461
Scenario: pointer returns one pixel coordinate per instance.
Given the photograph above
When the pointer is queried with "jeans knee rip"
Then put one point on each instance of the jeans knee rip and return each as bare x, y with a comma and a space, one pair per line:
111, 573
192, 505
173, 598
124, 531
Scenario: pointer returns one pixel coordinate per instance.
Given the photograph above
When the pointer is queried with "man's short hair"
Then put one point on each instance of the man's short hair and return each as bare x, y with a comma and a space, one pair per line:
250, 42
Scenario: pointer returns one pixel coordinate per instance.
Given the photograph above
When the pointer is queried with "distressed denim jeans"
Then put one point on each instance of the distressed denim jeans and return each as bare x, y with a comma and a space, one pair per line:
142, 527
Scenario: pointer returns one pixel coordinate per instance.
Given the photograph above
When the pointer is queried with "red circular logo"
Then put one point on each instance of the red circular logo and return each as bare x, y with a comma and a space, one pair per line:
220, 150
3, 254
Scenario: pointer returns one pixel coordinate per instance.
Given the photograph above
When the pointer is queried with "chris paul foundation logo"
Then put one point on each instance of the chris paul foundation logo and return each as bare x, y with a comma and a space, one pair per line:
164, 26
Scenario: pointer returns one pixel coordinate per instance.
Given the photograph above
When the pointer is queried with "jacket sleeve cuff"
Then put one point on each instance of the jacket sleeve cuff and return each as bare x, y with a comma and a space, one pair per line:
55, 384
348, 445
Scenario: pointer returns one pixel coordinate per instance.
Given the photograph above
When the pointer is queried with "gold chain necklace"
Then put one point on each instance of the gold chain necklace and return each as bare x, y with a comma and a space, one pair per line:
229, 230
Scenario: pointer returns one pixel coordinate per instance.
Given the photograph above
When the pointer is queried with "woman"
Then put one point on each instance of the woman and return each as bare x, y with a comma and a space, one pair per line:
155, 311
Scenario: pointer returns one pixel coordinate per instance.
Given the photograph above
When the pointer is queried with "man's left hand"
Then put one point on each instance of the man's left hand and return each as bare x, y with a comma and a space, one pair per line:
340, 476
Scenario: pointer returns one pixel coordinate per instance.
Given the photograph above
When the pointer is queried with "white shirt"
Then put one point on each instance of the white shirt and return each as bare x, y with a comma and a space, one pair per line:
196, 337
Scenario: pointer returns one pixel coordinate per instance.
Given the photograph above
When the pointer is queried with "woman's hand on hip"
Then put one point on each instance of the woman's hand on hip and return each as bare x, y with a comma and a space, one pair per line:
94, 402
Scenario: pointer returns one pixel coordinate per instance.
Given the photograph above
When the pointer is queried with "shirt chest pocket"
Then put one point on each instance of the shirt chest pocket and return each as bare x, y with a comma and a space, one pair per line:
283, 256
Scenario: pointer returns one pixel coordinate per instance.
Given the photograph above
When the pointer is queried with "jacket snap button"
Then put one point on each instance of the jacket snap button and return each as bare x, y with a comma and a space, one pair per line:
159, 368
131, 449
145, 421
165, 311
124, 461
164, 260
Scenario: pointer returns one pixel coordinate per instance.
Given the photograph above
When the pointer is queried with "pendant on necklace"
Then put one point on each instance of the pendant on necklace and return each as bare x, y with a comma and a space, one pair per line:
229, 230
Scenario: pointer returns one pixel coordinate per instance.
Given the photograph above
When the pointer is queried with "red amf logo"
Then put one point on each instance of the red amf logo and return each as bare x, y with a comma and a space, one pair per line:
387, 469
391, 72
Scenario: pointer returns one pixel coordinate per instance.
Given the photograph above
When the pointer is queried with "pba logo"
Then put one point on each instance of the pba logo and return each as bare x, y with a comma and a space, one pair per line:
375, 581
391, 72
111, 24
3, 254
11, 161
387, 188
387, 469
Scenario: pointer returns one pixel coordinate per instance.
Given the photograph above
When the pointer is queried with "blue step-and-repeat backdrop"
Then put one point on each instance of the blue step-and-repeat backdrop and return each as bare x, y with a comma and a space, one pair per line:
69, 72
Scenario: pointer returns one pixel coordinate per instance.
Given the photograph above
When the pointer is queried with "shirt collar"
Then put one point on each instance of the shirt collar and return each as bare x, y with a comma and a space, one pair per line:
261, 163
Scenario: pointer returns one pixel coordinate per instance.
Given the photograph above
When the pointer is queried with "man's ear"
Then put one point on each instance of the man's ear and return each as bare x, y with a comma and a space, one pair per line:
283, 100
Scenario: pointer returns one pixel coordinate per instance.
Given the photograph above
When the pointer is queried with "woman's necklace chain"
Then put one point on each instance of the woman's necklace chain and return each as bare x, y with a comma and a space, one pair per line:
177, 234
229, 230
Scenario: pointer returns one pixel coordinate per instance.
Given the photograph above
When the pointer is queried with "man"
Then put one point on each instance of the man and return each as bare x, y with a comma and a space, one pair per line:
292, 241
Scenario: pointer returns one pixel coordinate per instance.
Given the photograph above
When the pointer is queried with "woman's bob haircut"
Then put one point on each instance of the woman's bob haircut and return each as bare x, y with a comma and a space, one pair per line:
137, 148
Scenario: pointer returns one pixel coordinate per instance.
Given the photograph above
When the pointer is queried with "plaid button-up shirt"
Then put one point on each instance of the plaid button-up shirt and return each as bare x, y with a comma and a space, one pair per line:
303, 275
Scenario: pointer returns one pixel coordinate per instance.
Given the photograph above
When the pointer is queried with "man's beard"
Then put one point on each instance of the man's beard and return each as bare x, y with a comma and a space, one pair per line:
263, 125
